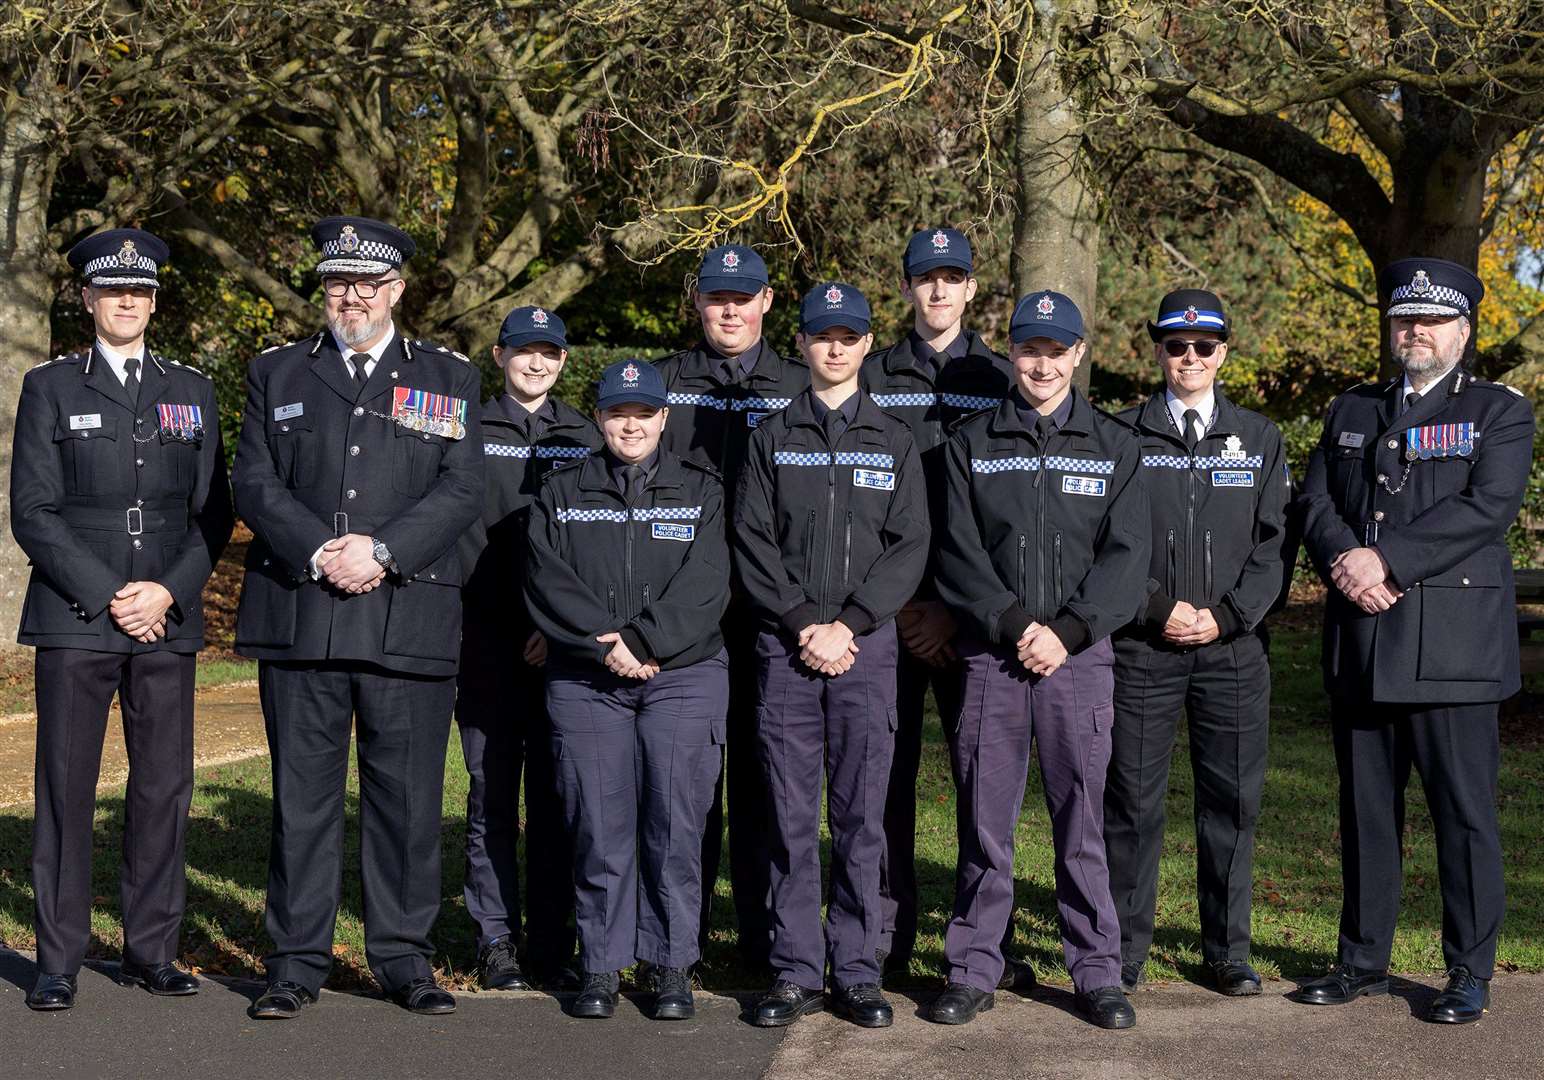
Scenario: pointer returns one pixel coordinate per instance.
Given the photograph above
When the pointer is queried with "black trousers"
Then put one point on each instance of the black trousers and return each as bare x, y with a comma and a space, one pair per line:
75, 689
1225, 691
1457, 750
403, 727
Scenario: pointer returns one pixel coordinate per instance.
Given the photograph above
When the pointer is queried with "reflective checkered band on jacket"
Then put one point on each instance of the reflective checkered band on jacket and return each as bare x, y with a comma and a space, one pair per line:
707, 401
965, 401
1029, 464
641, 513
494, 449
562, 451
566, 514
1177, 461
498, 449
954, 401
843, 457
701, 401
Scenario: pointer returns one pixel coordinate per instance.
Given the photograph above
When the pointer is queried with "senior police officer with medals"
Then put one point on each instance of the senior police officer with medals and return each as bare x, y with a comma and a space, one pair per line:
358, 469
627, 580
500, 700
1044, 554
1406, 504
831, 535
937, 374
720, 389
1217, 488
119, 498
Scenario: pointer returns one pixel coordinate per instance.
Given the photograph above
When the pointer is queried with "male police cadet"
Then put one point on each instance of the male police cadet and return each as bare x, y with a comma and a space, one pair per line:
358, 468
1217, 490
831, 539
500, 698
1043, 556
720, 389
934, 376
627, 580
119, 498
1408, 496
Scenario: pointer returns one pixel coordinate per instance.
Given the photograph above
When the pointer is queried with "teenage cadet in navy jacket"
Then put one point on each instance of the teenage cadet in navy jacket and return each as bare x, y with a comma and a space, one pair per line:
500, 689
831, 538
1217, 490
1043, 557
627, 580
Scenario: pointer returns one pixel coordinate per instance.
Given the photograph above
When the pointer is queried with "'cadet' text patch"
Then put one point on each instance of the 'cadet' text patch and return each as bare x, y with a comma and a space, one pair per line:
873, 478
1083, 485
664, 530
1232, 478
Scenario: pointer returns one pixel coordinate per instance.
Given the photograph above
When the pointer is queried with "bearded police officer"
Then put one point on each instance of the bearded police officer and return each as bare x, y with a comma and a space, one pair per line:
937, 374
500, 697
1217, 489
1407, 501
720, 390
119, 498
359, 466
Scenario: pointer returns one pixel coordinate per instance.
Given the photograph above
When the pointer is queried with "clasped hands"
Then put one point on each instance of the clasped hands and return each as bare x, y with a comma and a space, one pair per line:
1363, 575
139, 610
348, 564
1188, 625
1040, 650
621, 661
828, 648
927, 630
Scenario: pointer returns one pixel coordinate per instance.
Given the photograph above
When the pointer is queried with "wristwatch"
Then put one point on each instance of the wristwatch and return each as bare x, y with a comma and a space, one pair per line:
380, 552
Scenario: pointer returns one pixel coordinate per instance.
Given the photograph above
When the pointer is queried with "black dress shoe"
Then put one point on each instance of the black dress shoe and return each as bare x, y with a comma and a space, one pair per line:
498, 968
785, 1003
1342, 986
673, 994
1106, 1007
282, 1000
1463, 1001
1235, 978
598, 995
862, 1003
1017, 976
163, 980
52, 992
959, 1004
559, 978
424, 997
1131, 975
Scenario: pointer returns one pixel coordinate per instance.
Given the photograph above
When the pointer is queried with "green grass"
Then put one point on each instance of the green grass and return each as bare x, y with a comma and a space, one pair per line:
219, 672
1297, 884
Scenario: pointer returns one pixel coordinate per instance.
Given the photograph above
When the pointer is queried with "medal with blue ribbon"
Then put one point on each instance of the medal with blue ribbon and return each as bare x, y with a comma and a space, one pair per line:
185, 423
432, 414
1439, 441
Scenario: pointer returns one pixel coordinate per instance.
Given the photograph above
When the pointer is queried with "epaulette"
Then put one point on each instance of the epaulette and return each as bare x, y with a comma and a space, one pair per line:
428, 346
559, 465
1483, 383
190, 367
281, 345
702, 467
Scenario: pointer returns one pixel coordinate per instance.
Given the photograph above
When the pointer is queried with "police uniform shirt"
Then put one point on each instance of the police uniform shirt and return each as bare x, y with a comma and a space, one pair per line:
119, 362
1205, 409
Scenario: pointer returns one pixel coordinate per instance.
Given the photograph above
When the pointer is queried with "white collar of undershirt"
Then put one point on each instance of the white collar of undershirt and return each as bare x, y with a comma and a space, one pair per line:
1404, 391
1207, 408
375, 353
118, 361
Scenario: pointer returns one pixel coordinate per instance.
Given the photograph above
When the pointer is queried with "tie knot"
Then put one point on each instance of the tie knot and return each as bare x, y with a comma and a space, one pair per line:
131, 365
1043, 426
1411, 398
1192, 416
632, 480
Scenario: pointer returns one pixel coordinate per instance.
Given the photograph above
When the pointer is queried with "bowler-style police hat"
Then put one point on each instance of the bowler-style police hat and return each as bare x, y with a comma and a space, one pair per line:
1189, 309
358, 245
525, 325
732, 268
1430, 287
120, 258
834, 303
932, 248
630, 382
1046, 314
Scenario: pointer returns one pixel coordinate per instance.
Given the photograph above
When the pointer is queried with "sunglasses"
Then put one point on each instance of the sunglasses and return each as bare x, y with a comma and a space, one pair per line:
1175, 347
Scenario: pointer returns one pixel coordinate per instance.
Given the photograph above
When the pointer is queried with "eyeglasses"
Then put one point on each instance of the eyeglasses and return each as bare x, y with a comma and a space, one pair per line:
365, 290
1176, 348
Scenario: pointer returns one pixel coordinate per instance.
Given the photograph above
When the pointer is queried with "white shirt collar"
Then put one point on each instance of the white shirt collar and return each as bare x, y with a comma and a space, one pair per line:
1404, 391
1207, 408
117, 361
374, 353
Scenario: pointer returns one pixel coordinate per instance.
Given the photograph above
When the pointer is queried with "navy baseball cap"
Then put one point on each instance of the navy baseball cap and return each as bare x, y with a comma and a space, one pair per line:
1430, 287
834, 303
1049, 315
359, 245
932, 248
1189, 309
630, 382
120, 257
732, 268
527, 324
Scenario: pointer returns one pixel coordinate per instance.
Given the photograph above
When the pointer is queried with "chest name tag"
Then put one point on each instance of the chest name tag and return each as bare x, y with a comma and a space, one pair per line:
1083, 485
664, 530
1353, 439
754, 419
289, 412
1232, 478
86, 421
877, 479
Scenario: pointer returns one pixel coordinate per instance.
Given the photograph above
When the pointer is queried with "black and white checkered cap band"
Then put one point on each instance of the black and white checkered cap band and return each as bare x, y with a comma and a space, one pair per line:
1433, 300
365, 249
111, 262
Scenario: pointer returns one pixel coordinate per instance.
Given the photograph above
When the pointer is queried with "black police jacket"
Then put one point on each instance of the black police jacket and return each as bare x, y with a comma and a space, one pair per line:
494, 618
104, 492
318, 457
826, 532
1219, 517
657, 571
1055, 534
1433, 490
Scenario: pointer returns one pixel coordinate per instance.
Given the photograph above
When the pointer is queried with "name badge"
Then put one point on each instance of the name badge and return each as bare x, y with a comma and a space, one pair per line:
754, 419
1352, 439
664, 530
877, 479
1083, 485
289, 412
1231, 478
86, 421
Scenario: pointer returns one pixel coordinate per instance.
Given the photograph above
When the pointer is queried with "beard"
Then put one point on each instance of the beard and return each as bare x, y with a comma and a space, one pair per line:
357, 333
1423, 362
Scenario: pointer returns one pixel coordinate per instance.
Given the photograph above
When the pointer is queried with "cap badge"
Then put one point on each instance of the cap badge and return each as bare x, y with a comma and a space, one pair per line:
127, 254
940, 241
630, 374
1420, 285
1191, 314
538, 317
348, 240
731, 260
833, 295
1046, 305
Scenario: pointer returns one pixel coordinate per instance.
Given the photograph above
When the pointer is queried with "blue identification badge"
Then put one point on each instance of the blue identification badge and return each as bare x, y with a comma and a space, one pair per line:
667, 530
1232, 478
875, 479
1083, 485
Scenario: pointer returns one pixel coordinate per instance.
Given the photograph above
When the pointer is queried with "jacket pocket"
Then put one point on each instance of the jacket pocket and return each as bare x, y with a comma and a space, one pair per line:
91, 456
415, 460
1206, 563
424, 617
809, 550
1056, 571
1171, 586
847, 550
293, 445
266, 615
1464, 604
1023, 570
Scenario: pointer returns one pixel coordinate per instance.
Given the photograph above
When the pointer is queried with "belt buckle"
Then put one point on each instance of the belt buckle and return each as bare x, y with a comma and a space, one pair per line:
339, 523
134, 519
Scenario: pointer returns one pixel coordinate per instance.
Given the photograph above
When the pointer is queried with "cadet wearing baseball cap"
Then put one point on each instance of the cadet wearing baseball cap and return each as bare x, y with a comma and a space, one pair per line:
831, 536
627, 579
1043, 557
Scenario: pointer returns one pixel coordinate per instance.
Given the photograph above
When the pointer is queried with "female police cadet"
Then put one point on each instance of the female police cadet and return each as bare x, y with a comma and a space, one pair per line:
628, 575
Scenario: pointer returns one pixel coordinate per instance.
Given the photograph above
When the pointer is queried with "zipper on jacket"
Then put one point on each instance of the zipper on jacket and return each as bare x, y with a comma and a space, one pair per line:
611, 598
1040, 614
847, 550
1023, 570
809, 549
1056, 578
1190, 532
645, 597
1172, 582
1207, 541
627, 562
825, 578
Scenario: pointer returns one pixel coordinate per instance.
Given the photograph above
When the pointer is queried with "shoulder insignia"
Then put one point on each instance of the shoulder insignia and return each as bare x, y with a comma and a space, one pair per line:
190, 367
429, 346
702, 467
1513, 389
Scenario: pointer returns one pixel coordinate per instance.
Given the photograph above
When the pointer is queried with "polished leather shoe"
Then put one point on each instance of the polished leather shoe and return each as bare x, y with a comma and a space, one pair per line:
424, 997
1106, 1007
1342, 986
673, 994
1464, 1000
598, 995
282, 1000
785, 1003
498, 968
1235, 978
559, 978
862, 1003
163, 980
1131, 975
1017, 976
959, 1004
52, 992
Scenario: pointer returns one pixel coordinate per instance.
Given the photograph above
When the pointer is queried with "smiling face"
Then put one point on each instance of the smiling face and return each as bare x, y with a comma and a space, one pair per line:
939, 298
530, 369
358, 321
632, 431
834, 355
1427, 345
121, 313
1044, 367
1190, 372
731, 321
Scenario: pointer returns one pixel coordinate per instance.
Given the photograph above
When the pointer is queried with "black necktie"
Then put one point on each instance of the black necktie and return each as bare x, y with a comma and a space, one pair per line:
834, 423
1192, 422
131, 378
1043, 429
1411, 400
632, 483
359, 360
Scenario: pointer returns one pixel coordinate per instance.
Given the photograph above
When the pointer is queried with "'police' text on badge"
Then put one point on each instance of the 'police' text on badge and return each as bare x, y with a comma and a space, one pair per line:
876, 479
1082, 485
1232, 478
664, 530
754, 419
